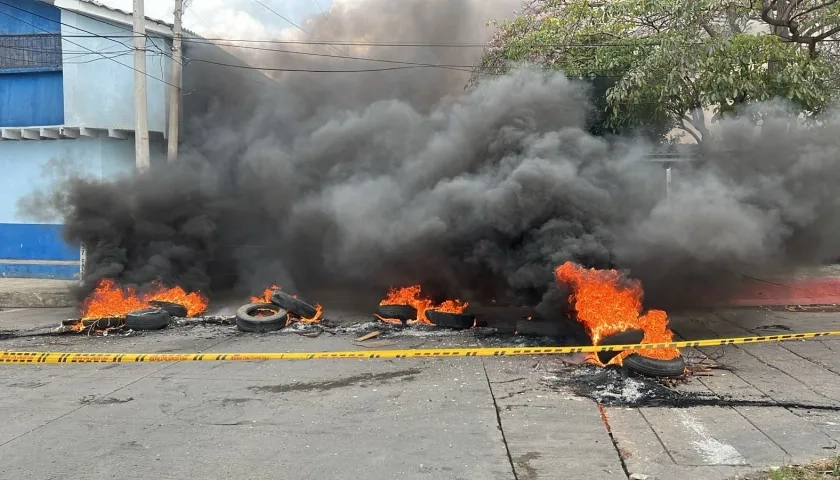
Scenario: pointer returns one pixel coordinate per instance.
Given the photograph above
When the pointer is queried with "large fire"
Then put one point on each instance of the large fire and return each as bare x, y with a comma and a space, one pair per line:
110, 300
606, 303
265, 297
412, 296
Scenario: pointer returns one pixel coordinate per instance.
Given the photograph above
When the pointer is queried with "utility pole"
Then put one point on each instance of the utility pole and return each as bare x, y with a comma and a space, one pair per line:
141, 112
175, 88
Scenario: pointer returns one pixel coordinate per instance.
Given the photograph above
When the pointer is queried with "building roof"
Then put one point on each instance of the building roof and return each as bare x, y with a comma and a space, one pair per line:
95, 9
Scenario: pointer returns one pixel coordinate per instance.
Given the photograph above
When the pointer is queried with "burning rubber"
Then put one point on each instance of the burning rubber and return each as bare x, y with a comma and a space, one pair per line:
604, 303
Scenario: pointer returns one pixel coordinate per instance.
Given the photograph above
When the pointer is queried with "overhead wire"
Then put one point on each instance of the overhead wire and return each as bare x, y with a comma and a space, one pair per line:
297, 26
74, 43
477, 44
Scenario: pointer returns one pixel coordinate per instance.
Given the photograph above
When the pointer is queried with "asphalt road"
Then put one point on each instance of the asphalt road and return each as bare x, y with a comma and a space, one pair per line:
462, 418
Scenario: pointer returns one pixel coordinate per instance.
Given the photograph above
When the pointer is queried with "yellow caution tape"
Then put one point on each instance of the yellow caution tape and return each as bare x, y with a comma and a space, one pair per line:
73, 357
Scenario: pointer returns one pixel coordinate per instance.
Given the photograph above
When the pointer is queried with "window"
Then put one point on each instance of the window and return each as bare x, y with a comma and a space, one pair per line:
30, 52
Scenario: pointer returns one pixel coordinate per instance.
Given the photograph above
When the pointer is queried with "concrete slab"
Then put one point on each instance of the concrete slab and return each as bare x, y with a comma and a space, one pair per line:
645, 452
404, 418
36, 293
22, 319
710, 436
378, 420
567, 440
549, 433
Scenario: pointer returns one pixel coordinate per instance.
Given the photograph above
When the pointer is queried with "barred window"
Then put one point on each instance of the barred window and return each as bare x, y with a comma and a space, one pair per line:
31, 51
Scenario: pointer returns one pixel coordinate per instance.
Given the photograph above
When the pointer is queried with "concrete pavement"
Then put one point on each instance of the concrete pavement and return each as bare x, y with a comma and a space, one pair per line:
36, 293
468, 418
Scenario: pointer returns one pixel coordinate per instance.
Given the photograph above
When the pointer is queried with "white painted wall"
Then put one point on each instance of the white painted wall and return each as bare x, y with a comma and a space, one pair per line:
99, 92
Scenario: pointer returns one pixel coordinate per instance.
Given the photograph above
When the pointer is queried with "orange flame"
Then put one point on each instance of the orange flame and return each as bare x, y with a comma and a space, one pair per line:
315, 318
266, 295
110, 300
606, 303
195, 302
411, 296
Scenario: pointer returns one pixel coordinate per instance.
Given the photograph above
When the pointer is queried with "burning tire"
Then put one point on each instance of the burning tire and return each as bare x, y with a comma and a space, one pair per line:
173, 309
147, 319
654, 367
539, 328
403, 313
627, 337
95, 323
293, 305
450, 320
248, 321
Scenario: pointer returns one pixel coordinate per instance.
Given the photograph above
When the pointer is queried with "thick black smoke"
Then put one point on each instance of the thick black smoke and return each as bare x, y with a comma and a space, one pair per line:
360, 181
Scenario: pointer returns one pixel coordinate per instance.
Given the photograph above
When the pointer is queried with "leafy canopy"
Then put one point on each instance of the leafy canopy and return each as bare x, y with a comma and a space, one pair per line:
665, 62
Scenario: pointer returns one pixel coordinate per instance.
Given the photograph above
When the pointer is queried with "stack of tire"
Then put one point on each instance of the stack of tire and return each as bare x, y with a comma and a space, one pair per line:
263, 317
404, 313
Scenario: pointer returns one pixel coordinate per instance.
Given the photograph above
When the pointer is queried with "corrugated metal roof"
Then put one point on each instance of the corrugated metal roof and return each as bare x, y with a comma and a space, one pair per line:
104, 7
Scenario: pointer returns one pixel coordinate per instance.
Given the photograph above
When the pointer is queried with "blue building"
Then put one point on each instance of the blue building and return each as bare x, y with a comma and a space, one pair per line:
67, 105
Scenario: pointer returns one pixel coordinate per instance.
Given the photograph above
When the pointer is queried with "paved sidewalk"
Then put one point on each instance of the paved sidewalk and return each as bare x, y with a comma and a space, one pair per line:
460, 418
781, 404
36, 293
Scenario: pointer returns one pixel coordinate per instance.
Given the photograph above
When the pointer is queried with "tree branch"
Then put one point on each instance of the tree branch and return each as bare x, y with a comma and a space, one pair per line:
708, 28
827, 34
825, 3
690, 131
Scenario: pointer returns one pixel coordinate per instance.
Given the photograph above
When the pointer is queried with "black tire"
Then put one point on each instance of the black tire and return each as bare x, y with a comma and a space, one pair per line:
403, 313
147, 319
539, 328
247, 322
627, 337
654, 367
294, 306
96, 323
457, 321
173, 309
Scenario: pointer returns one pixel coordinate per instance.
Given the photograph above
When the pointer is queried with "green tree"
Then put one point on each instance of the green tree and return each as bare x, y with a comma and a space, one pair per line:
672, 60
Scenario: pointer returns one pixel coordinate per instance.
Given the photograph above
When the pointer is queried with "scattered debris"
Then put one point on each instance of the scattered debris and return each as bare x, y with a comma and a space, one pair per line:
370, 335
315, 334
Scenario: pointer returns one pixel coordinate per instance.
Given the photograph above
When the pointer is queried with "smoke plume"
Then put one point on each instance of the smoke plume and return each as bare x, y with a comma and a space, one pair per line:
361, 181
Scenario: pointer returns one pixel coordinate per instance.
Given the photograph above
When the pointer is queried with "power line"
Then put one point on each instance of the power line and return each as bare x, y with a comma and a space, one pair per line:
74, 43
631, 43
201, 21
367, 59
297, 26
90, 34
267, 69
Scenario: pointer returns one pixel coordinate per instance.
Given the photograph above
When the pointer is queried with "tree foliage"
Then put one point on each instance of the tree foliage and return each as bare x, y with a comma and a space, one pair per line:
669, 61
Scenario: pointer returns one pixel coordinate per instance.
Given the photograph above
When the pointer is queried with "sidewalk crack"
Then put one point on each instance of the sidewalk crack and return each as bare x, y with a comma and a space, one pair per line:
499, 422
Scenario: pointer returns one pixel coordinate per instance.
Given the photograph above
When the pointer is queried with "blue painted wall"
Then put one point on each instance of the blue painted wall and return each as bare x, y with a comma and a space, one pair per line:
32, 241
31, 81
28, 16
31, 99
98, 92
